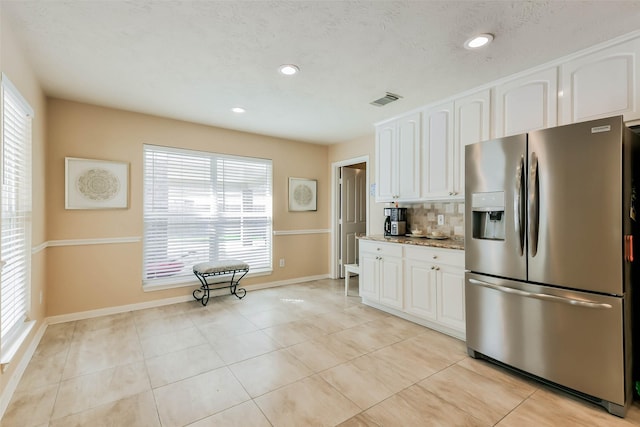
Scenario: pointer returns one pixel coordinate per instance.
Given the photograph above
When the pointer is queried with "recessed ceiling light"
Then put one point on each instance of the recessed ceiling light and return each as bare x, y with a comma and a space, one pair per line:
478, 41
289, 69
238, 110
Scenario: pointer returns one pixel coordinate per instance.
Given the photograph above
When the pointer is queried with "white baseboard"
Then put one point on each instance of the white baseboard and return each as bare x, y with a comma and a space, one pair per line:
89, 314
12, 384
167, 301
287, 282
461, 335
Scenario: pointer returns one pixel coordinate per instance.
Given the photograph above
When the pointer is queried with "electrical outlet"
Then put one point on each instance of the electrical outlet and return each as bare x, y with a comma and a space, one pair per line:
281, 262
440, 219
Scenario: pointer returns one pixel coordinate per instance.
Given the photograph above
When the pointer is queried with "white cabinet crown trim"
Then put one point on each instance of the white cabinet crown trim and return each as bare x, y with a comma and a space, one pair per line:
550, 64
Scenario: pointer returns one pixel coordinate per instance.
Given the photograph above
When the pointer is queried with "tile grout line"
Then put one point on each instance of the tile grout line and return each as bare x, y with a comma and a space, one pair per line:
66, 359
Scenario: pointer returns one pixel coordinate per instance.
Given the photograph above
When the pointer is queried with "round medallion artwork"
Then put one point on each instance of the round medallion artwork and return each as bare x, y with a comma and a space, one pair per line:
303, 195
98, 184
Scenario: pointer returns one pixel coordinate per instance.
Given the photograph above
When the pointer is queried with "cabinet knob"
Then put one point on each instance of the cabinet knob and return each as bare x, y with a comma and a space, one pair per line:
437, 268
433, 267
377, 249
435, 257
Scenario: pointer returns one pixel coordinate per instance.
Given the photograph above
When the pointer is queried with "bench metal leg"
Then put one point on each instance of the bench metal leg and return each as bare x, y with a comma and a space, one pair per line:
202, 294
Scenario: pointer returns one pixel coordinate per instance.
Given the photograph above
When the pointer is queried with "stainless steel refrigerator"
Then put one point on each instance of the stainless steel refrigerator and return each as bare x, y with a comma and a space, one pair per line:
550, 226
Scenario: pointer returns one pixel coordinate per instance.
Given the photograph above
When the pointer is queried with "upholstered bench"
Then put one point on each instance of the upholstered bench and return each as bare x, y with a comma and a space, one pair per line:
204, 270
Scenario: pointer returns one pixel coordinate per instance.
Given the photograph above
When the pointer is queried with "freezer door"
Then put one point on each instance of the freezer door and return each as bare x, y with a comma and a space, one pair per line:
495, 207
575, 206
570, 338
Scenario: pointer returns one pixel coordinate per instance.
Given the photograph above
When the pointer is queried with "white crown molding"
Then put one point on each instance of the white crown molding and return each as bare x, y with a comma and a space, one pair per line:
298, 232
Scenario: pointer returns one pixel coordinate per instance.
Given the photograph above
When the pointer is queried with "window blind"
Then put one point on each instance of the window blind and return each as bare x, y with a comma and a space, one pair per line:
203, 206
15, 211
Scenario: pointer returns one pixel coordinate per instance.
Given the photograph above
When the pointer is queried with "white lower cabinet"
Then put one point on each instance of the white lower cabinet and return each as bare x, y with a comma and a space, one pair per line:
435, 285
381, 273
428, 290
420, 295
450, 291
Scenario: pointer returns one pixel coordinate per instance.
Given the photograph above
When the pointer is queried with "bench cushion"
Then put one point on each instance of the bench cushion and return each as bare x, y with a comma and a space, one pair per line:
221, 266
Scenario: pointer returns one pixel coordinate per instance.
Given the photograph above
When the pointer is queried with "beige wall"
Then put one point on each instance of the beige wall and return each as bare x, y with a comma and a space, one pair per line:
82, 278
21, 74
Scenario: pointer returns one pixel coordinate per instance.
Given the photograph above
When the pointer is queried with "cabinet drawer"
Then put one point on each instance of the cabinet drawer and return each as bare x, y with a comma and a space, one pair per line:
451, 257
386, 249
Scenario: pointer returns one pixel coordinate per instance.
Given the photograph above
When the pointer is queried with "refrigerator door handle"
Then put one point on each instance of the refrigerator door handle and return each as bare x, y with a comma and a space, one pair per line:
544, 297
518, 206
534, 205
628, 248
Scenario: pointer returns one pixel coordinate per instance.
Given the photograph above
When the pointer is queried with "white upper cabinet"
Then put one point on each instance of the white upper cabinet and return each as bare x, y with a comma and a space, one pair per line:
437, 151
386, 161
398, 160
526, 103
409, 157
423, 159
472, 119
601, 84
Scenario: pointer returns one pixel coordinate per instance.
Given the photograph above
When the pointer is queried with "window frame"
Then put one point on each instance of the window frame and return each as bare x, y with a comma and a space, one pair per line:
213, 217
21, 324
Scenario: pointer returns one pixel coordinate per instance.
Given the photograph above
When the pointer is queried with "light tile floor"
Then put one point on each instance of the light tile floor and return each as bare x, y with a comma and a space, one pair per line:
299, 355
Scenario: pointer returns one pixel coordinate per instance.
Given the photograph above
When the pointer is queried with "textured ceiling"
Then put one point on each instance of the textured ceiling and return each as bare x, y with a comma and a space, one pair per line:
194, 60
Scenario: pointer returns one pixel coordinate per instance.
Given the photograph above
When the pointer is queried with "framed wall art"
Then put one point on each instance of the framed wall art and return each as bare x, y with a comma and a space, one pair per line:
96, 184
303, 194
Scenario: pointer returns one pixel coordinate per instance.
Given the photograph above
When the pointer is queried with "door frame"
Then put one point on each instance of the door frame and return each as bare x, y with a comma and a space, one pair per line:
335, 208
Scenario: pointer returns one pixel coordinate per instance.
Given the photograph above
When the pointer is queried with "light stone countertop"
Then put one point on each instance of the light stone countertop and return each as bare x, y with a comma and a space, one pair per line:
451, 243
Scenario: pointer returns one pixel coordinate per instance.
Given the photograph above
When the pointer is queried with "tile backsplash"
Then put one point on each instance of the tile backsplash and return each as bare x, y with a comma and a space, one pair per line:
424, 216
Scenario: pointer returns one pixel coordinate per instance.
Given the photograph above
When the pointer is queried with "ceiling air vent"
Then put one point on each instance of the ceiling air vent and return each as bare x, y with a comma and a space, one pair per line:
389, 97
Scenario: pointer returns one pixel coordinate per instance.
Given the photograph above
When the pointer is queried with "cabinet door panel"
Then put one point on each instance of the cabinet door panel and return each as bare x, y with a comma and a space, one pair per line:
420, 289
471, 126
409, 157
451, 298
527, 103
368, 281
385, 158
602, 84
391, 282
437, 151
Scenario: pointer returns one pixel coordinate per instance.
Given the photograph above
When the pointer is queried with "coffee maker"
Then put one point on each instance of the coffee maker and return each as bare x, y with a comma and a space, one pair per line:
395, 221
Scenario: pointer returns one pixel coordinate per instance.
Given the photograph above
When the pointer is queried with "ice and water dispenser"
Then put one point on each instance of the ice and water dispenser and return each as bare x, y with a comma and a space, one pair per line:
488, 215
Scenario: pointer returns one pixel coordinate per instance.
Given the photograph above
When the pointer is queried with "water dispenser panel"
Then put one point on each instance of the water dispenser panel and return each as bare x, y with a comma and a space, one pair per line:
488, 215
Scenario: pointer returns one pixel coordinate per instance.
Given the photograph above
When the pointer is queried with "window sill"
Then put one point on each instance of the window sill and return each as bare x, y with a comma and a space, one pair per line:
9, 351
